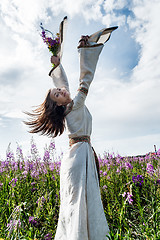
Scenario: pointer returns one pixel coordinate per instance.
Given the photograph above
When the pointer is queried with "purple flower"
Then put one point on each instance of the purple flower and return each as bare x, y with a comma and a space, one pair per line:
128, 165
118, 160
104, 173
104, 187
33, 148
52, 145
150, 168
33, 189
43, 199
20, 150
32, 221
51, 166
124, 194
10, 156
48, 236
138, 180
35, 174
158, 181
128, 197
13, 181
19, 153
34, 151
13, 224
43, 34
53, 43
46, 157
33, 183
25, 173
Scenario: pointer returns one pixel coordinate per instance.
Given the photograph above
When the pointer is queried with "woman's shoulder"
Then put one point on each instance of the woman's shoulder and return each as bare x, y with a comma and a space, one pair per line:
79, 100
74, 107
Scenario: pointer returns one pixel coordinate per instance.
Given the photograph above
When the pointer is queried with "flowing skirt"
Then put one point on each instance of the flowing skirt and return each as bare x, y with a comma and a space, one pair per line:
81, 214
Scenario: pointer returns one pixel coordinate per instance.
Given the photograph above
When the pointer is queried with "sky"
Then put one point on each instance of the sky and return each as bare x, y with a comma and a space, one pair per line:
124, 95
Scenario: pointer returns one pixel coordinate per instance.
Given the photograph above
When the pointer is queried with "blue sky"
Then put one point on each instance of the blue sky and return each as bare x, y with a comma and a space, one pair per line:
124, 96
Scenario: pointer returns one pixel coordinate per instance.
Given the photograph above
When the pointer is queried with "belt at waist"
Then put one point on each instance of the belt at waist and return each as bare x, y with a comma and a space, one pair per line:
73, 140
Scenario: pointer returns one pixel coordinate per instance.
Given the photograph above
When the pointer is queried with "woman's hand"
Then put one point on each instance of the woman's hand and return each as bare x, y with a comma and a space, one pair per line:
55, 60
83, 41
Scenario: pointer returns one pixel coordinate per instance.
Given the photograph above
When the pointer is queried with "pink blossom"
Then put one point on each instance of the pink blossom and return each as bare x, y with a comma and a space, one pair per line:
150, 168
104, 173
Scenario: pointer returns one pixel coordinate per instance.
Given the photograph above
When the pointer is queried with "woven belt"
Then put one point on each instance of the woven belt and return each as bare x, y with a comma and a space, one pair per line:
74, 140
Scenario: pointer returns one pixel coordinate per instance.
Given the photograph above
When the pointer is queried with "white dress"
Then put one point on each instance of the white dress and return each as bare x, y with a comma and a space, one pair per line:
81, 215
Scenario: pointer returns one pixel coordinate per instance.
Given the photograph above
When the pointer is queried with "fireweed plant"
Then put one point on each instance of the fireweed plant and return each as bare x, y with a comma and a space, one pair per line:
30, 194
52, 42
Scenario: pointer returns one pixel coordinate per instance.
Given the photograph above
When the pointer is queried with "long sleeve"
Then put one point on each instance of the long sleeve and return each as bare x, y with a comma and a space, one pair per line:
88, 61
57, 73
59, 77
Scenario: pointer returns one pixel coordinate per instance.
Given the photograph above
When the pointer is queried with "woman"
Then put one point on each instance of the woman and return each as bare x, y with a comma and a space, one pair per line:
81, 215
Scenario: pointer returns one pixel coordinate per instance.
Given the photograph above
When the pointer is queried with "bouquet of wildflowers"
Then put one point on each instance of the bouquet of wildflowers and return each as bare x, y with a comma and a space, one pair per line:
52, 42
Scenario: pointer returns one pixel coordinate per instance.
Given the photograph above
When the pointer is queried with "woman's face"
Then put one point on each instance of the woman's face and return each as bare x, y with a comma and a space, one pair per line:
60, 95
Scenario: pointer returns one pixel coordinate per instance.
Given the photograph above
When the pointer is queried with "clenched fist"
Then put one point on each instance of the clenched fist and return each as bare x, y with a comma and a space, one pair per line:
55, 60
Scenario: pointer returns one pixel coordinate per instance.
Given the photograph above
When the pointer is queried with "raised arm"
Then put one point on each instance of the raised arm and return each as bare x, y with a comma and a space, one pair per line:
90, 48
88, 60
58, 74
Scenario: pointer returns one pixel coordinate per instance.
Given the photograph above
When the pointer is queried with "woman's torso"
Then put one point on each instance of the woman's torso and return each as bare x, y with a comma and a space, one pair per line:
79, 121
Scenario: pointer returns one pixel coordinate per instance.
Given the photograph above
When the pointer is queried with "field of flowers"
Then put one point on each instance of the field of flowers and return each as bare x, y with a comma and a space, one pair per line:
30, 196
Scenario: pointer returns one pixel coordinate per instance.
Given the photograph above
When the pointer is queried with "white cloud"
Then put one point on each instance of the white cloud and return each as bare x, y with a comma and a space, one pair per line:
21, 16
112, 19
126, 110
147, 34
111, 5
132, 108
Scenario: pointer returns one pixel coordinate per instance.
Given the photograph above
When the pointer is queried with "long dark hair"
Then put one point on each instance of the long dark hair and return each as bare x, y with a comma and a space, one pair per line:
47, 119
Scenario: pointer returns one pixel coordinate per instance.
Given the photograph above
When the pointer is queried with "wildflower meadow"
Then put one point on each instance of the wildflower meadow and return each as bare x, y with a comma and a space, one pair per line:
30, 194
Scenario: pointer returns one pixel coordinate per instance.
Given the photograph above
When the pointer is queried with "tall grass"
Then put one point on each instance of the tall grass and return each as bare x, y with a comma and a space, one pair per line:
30, 197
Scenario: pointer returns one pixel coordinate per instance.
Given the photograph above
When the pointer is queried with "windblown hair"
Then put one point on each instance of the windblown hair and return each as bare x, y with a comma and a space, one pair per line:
47, 119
